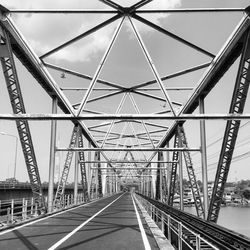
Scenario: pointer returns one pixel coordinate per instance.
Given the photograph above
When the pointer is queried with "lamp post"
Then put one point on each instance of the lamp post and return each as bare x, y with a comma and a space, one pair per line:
3, 133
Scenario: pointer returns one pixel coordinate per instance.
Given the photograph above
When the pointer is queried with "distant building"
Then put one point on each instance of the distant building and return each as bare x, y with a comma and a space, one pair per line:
11, 180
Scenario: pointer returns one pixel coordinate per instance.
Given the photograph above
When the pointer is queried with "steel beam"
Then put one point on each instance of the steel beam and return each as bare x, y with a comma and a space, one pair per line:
18, 107
99, 68
131, 168
96, 11
158, 186
173, 75
38, 70
129, 149
127, 117
76, 170
83, 76
62, 11
181, 189
112, 123
191, 174
190, 10
82, 165
86, 33
125, 89
98, 98
142, 122
151, 64
138, 5
112, 4
160, 29
220, 64
204, 159
52, 158
99, 174
64, 176
173, 172
132, 162
231, 130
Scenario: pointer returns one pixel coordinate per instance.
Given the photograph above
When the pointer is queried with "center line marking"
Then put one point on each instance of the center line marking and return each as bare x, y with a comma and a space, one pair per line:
80, 226
143, 234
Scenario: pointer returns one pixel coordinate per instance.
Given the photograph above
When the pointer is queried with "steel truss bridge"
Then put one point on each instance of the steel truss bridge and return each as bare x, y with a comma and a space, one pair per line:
131, 146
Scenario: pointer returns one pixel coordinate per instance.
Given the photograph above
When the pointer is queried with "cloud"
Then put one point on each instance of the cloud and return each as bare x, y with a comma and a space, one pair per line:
45, 32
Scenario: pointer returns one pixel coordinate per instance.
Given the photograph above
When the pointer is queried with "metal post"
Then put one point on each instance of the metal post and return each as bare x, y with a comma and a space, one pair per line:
162, 222
12, 210
198, 242
26, 209
204, 159
52, 158
36, 209
115, 183
180, 236
161, 183
169, 228
168, 171
32, 206
76, 173
89, 170
181, 176
8, 215
23, 203
150, 187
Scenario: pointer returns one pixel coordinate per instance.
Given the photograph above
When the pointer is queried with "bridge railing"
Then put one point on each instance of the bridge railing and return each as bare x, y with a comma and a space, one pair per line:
18, 210
178, 234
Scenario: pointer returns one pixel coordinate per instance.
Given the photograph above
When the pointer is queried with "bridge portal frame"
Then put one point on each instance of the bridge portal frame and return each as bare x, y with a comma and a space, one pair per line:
217, 68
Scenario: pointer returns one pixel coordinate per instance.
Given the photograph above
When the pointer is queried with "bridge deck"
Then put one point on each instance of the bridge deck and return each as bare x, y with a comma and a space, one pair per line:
110, 223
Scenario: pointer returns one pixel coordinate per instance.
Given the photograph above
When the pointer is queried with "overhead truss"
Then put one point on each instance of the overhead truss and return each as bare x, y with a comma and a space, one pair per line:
135, 132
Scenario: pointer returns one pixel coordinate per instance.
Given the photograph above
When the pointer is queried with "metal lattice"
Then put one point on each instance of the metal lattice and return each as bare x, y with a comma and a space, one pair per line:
99, 174
173, 172
231, 131
164, 181
63, 180
18, 107
158, 178
190, 170
83, 168
76, 112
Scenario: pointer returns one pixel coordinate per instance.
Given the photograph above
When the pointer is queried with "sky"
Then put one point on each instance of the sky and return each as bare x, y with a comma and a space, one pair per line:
126, 65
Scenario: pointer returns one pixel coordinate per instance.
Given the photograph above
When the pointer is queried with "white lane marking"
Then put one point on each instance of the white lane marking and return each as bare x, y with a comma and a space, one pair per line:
80, 226
50, 216
143, 234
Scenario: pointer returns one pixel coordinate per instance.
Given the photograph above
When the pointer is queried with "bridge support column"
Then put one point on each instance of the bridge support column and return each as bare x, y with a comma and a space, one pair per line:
52, 158
76, 172
89, 171
181, 175
168, 173
204, 159
116, 183
232, 128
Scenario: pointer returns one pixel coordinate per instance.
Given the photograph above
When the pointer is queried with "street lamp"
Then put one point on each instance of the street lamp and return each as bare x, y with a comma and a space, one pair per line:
3, 133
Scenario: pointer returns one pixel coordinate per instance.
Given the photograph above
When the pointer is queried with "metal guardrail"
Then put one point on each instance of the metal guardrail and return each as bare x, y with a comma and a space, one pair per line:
217, 235
18, 210
9, 185
180, 236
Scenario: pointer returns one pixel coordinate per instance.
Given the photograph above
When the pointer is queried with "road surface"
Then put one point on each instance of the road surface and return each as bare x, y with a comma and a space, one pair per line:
110, 223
